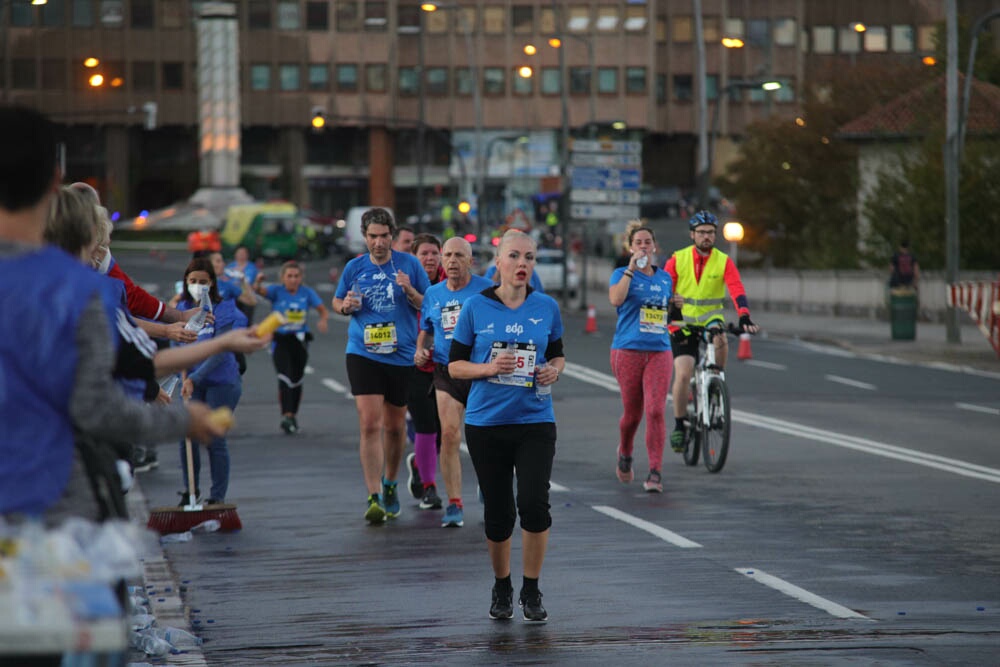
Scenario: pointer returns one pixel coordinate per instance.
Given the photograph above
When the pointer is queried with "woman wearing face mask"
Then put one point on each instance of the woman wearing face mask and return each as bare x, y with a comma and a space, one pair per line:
641, 358
215, 381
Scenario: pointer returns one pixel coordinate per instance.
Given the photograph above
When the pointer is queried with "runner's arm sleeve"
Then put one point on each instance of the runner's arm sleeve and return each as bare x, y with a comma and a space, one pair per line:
735, 286
99, 407
140, 302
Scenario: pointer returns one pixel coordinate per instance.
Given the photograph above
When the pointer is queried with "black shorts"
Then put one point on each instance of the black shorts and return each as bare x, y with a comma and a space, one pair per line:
684, 344
372, 377
457, 389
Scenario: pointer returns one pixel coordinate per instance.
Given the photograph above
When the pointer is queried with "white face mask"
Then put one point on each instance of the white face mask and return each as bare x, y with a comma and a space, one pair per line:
104, 264
196, 290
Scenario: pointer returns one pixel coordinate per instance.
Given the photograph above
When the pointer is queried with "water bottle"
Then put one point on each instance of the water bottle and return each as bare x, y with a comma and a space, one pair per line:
642, 262
541, 391
512, 349
168, 385
198, 320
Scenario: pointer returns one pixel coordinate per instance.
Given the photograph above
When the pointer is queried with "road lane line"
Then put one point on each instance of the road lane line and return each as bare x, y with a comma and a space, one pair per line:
591, 376
971, 407
766, 364
800, 594
333, 385
651, 528
851, 383
309, 370
869, 446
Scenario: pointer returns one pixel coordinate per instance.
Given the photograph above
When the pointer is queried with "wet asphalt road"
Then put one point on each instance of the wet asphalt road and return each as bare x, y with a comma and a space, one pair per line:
855, 523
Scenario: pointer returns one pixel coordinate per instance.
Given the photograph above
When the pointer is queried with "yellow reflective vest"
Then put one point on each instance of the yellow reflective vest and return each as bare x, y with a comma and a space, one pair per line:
703, 300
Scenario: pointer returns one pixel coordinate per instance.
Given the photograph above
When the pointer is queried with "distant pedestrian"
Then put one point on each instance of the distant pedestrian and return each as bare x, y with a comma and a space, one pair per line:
292, 298
243, 271
508, 341
904, 267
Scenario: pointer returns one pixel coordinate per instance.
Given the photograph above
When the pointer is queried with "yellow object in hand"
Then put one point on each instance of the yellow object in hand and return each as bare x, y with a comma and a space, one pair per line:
222, 418
271, 323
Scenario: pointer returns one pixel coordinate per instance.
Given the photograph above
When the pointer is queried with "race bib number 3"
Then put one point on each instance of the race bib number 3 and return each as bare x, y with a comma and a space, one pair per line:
380, 338
449, 318
524, 369
653, 319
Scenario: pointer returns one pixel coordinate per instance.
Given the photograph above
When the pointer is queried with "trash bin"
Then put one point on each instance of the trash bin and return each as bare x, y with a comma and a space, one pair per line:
903, 313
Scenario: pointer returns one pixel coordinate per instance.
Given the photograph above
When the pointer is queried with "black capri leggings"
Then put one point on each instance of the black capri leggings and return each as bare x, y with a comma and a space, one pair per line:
290, 357
421, 403
497, 452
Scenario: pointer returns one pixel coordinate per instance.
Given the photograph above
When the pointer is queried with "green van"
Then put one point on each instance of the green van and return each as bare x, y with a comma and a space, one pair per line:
273, 231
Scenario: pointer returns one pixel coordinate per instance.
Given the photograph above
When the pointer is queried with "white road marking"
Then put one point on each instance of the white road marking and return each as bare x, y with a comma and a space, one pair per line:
591, 376
766, 364
333, 385
867, 446
829, 349
971, 407
309, 370
858, 384
651, 528
800, 594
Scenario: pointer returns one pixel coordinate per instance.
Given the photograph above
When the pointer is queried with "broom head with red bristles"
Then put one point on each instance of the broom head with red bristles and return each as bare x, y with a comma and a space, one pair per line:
166, 520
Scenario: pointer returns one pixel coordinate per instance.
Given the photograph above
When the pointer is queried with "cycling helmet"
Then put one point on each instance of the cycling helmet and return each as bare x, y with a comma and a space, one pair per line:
702, 218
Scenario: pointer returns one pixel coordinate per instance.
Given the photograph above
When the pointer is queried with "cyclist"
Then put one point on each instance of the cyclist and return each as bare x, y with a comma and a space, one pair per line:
701, 273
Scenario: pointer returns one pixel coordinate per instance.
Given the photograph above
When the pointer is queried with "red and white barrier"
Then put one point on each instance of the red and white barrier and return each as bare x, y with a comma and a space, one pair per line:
981, 300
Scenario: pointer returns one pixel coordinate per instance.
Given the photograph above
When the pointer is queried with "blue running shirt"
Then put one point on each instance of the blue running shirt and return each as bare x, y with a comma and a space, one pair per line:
295, 307
441, 310
384, 329
642, 318
488, 326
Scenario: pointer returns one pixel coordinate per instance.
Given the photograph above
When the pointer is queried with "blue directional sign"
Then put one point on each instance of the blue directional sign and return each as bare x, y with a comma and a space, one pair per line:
598, 178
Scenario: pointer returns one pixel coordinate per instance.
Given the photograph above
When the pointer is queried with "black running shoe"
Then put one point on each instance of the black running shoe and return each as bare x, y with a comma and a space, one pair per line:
502, 608
431, 499
531, 606
415, 484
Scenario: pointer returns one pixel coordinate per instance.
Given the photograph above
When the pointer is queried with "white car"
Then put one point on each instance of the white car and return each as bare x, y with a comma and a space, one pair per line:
549, 267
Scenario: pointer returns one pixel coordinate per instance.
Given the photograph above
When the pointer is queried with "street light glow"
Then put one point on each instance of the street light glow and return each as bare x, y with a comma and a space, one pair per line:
555, 42
96, 80
618, 125
464, 207
732, 42
117, 82
39, 2
800, 121
859, 27
732, 231
930, 61
530, 49
524, 72
771, 85
429, 7
91, 62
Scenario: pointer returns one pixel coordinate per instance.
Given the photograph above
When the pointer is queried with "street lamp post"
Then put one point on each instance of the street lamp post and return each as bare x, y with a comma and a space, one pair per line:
477, 103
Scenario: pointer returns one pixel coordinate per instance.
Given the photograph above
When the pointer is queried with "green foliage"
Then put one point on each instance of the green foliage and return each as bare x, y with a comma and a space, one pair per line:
910, 203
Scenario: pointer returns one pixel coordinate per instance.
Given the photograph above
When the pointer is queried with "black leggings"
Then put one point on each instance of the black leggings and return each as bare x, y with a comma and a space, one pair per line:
497, 452
421, 403
290, 357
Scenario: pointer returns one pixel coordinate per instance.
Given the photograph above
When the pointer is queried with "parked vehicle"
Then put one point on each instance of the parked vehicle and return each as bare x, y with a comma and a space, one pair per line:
272, 231
549, 267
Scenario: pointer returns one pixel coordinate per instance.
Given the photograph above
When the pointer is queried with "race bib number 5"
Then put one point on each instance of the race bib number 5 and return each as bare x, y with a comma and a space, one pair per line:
524, 368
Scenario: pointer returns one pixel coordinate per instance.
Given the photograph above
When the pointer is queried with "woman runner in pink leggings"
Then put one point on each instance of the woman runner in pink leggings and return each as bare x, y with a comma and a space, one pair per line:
640, 352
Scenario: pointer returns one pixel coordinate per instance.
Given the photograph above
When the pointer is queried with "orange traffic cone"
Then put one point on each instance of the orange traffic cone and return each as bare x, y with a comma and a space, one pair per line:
591, 320
744, 353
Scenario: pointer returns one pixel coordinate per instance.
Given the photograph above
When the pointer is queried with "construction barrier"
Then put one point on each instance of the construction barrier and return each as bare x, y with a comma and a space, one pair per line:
981, 300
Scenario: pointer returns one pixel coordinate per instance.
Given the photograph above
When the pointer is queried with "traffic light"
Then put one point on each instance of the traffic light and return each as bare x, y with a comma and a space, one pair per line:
318, 118
464, 207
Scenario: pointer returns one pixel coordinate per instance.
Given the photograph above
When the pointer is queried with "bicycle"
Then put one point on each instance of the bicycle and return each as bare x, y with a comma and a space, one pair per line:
708, 413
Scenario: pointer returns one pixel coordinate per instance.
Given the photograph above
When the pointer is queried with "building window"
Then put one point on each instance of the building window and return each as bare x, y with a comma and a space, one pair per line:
712, 86
734, 28
682, 87
710, 29
521, 85
319, 76
494, 20
141, 14
260, 77
850, 40
437, 81
171, 14
902, 38
925, 38
607, 18
259, 15
465, 20
578, 18
546, 21
635, 18
22, 15
607, 80
408, 19
682, 30
54, 74
376, 16
787, 91
823, 39
757, 32
409, 82
660, 28
24, 75
172, 76
83, 13
551, 81
112, 13
143, 75
318, 16
876, 39
347, 78
661, 89
347, 15
288, 15
785, 31
579, 80
375, 78
53, 15
635, 80
436, 23
494, 81
463, 81
522, 19
289, 77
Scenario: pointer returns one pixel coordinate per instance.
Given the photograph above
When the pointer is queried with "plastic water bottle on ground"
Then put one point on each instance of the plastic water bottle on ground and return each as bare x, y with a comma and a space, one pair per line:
209, 526
179, 639
176, 537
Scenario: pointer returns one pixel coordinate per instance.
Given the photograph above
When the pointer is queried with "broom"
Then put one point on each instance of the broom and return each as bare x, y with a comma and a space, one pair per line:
166, 520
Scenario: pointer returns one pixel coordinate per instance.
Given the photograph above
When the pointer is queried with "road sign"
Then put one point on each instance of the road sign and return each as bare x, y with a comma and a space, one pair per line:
605, 160
598, 146
604, 211
596, 178
603, 196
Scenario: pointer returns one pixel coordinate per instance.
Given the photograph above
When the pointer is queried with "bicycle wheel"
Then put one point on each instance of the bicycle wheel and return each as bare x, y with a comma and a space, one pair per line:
692, 436
715, 438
